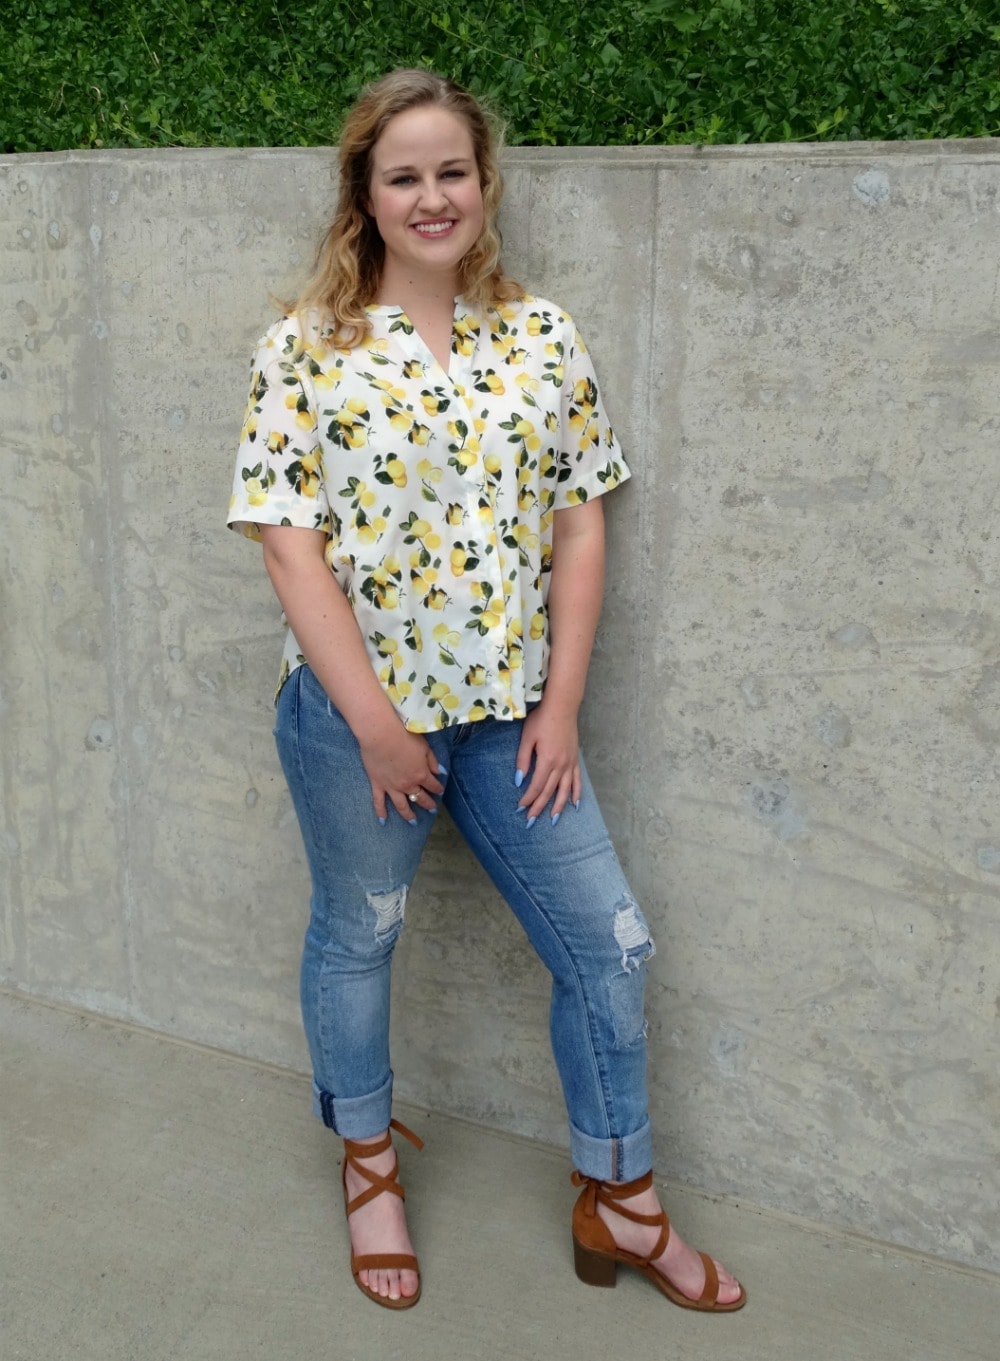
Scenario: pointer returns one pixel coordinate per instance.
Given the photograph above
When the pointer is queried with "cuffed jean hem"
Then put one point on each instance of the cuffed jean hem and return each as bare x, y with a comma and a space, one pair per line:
622, 1159
354, 1117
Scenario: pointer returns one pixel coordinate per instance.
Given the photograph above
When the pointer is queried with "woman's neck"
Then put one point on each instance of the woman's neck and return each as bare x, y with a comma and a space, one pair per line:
428, 294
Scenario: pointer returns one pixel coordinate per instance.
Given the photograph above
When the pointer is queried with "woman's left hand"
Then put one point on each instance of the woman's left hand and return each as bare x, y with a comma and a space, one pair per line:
550, 739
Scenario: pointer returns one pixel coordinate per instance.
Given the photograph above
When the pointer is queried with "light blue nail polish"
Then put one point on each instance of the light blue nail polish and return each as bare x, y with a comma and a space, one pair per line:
441, 769
530, 823
522, 809
519, 778
555, 818
381, 822
577, 805
412, 821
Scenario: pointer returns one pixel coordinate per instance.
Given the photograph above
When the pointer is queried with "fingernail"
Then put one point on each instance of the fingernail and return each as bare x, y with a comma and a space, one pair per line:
522, 808
519, 778
530, 823
381, 822
555, 818
577, 805
441, 769
412, 821
433, 811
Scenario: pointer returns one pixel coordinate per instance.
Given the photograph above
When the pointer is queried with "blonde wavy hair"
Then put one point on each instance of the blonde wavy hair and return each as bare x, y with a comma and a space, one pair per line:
349, 262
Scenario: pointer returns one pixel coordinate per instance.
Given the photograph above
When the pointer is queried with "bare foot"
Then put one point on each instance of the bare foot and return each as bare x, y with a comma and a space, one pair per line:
680, 1264
380, 1226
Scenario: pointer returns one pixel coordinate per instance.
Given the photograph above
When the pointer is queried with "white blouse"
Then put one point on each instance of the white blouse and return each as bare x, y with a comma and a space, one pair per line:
435, 491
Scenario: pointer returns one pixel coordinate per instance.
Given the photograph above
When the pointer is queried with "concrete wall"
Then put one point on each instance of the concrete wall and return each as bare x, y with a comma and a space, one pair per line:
794, 703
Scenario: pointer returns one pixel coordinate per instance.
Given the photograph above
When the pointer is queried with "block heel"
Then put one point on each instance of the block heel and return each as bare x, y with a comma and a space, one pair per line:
594, 1268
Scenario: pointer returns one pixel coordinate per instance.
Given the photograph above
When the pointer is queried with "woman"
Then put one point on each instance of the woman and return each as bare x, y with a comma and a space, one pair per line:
423, 457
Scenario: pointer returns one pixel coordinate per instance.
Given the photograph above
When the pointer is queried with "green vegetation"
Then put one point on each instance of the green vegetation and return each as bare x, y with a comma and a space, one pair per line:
93, 73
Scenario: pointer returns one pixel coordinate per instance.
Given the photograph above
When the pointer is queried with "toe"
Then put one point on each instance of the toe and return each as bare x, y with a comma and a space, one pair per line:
730, 1289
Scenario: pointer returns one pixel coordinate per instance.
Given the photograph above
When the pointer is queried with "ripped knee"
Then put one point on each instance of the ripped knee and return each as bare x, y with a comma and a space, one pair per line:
627, 985
389, 907
632, 935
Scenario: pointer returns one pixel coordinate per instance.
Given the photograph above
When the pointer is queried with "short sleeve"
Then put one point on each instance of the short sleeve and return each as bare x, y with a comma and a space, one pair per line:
590, 458
279, 477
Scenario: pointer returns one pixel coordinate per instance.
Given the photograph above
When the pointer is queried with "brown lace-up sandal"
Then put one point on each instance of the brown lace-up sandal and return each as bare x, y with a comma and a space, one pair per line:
377, 1184
596, 1254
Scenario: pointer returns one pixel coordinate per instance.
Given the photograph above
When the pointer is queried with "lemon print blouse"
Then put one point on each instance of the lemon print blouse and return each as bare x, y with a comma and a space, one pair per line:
435, 491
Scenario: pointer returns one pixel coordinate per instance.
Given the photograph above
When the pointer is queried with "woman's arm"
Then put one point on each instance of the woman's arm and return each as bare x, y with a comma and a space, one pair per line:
397, 762
576, 586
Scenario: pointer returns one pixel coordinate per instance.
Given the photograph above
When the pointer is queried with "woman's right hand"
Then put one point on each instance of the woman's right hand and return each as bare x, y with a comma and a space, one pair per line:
399, 763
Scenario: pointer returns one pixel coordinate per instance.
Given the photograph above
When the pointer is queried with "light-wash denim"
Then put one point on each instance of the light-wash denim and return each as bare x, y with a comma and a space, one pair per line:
562, 881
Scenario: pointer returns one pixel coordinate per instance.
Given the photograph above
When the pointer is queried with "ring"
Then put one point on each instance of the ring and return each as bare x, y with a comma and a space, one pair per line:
413, 797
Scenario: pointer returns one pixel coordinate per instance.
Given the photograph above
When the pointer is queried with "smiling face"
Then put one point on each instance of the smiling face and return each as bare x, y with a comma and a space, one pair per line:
425, 197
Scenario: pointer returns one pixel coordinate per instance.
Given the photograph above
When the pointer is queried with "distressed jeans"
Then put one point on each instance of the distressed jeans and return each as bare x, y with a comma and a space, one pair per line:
563, 882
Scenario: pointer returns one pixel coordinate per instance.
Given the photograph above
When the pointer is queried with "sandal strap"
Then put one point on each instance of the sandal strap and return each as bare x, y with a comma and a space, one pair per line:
354, 1148
378, 1184
400, 1128
367, 1150
611, 1194
710, 1290
384, 1261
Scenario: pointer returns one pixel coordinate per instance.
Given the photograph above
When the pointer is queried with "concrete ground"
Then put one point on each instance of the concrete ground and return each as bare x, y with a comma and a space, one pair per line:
161, 1201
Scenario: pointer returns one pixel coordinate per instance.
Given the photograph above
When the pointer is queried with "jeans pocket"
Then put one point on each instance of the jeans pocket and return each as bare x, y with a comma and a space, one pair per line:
286, 709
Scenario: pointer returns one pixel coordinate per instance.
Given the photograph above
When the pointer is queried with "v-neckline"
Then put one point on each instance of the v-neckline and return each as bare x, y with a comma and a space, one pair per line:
460, 310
